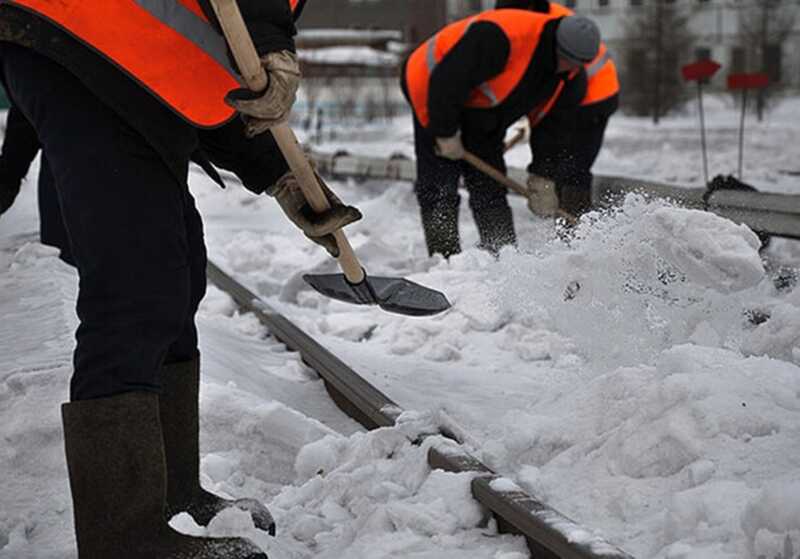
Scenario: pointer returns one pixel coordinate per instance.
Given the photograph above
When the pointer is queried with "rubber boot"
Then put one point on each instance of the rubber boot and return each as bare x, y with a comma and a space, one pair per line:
440, 225
117, 474
576, 199
180, 424
495, 227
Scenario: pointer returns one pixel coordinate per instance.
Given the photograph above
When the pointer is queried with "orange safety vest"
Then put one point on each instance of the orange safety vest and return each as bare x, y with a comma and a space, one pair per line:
603, 81
540, 111
523, 30
601, 74
170, 48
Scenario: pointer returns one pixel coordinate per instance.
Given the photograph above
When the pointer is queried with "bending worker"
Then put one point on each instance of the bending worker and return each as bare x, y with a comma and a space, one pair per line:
564, 140
466, 85
117, 92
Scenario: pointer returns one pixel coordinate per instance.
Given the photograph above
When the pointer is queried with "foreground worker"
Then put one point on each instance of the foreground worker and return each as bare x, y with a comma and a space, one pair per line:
466, 85
119, 115
564, 142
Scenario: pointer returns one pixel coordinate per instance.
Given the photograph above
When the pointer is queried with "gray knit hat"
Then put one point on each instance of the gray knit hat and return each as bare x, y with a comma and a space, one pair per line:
578, 39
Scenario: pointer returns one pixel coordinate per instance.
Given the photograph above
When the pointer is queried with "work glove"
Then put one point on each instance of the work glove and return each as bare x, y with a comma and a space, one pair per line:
263, 110
542, 197
319, 227
450, 147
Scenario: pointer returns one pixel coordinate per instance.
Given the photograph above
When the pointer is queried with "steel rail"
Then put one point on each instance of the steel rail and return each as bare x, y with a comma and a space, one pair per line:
550, 534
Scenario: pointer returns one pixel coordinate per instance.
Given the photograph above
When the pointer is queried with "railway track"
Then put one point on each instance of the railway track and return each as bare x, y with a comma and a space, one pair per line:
549, 534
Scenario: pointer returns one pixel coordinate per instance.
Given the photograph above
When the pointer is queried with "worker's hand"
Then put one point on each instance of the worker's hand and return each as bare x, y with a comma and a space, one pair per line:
8, 193
450, 147
319, 227
542, 197
263, 110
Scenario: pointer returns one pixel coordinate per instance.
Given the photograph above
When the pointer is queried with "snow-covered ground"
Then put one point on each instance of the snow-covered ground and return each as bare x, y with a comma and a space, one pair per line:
645, 404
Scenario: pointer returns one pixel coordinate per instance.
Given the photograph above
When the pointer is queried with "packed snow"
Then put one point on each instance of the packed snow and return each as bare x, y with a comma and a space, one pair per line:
641, 375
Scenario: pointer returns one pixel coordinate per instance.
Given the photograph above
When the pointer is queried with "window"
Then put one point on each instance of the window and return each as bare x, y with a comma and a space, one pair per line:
773, 60
636, 2
737, 60
602, 3
571, 3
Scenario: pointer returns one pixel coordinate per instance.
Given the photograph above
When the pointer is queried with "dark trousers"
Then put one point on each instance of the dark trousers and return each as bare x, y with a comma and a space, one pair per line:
568, 159
133, 230
437, 193
52, 231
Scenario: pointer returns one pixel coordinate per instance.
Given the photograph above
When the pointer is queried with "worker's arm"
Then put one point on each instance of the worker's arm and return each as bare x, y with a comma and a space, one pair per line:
553, 133
271, 27
256, 161
20, 146
480, 55
270, 23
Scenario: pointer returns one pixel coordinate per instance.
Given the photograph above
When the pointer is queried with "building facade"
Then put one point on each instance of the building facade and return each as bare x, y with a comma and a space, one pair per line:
416, 19
742, 35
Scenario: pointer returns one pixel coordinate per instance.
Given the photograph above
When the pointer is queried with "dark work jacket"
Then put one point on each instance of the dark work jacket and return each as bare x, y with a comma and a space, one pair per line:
258, 162
270, 22
481, 54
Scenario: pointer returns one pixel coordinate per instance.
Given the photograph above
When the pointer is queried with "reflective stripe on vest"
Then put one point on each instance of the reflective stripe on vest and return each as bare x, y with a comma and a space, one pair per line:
539, 112
597, 64
602, 75
168, 46
523, 31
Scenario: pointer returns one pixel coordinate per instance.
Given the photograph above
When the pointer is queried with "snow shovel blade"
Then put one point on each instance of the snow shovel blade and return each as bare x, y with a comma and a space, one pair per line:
396, 295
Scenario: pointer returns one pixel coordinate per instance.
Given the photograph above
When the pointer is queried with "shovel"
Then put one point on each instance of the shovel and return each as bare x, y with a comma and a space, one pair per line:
509, 183
395, 295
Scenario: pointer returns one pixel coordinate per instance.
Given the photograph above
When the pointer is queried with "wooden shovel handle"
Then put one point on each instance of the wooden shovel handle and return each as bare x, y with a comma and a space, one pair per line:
244, 52
507, 181
490, 171
518, 136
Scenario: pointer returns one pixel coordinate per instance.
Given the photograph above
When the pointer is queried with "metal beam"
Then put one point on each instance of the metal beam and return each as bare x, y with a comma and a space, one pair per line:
375, 408
776, 214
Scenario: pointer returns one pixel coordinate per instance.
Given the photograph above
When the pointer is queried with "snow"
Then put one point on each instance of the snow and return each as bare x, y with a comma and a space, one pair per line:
352, 34
366, 56
618, 374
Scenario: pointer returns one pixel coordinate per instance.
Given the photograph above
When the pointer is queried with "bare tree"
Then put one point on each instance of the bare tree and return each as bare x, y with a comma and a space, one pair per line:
656, 42
764, 26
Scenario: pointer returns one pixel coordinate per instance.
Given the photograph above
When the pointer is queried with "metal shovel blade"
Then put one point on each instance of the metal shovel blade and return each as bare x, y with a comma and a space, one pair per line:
396, 295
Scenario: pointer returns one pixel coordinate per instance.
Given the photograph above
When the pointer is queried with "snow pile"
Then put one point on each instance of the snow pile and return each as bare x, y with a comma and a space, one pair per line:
647, 276
771, 519
630, 399
375, 491
675, 449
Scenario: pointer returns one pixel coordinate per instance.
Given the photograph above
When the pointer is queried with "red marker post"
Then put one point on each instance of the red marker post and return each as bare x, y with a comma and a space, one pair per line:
745, 82
699, 72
